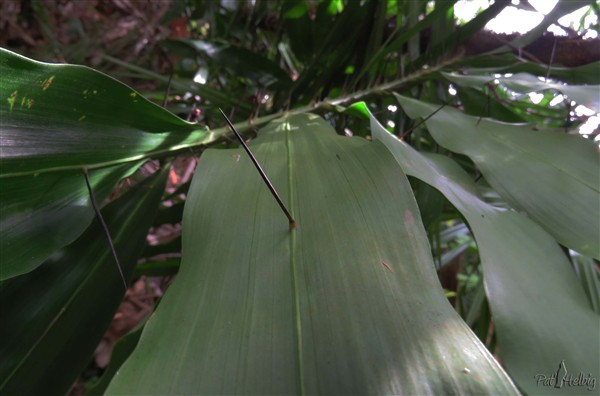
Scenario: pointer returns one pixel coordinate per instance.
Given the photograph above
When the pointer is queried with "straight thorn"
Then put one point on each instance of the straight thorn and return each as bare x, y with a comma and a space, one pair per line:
104, 227
262, 173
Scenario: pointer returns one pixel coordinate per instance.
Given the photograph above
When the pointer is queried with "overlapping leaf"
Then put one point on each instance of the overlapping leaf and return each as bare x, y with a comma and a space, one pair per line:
54, 317
347, 303
551, 176
55, 120
57, 116
42, 213
541, 313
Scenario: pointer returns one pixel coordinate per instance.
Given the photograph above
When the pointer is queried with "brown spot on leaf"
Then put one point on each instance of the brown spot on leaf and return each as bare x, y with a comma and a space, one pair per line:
387, 266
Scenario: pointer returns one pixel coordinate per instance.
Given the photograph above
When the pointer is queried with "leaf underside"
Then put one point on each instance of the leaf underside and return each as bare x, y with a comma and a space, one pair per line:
348, 302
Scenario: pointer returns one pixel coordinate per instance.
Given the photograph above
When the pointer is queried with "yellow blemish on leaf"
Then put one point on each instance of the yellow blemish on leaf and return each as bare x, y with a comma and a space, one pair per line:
30, 103
12, 99
47, 82
133, 94
94, 92
81, 118
23, 101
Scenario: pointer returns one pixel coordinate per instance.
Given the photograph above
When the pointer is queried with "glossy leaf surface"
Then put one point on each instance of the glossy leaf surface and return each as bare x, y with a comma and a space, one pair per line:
57, 117
58, 313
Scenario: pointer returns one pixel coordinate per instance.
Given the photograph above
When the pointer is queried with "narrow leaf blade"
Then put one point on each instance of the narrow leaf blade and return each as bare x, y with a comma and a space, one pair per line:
57, 117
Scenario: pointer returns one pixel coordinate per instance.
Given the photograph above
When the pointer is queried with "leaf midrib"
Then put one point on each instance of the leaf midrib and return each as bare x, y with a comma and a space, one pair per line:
293, 264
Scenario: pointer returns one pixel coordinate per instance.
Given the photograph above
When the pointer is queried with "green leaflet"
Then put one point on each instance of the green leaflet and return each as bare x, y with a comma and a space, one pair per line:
347, 303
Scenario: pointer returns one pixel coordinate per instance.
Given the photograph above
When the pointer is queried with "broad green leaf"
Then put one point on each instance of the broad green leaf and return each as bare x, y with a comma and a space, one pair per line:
540, 311
42, 213
55, 316
57, 117
552, 176
346, 303
587, 95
